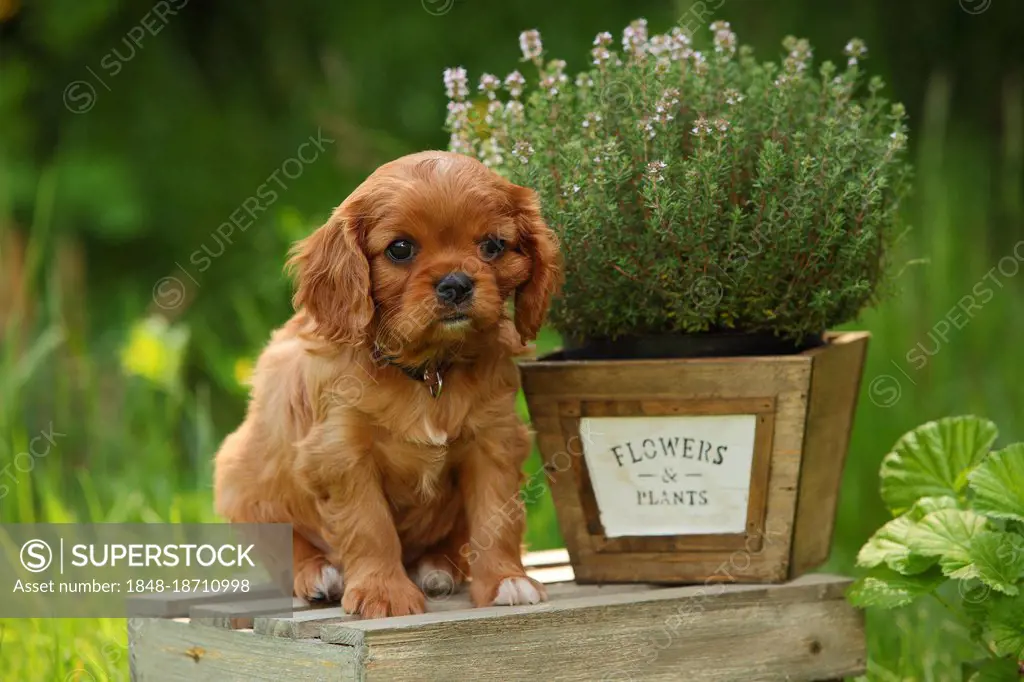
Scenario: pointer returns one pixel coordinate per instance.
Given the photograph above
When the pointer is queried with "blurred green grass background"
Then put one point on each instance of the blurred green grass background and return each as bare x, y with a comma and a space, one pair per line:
99, 207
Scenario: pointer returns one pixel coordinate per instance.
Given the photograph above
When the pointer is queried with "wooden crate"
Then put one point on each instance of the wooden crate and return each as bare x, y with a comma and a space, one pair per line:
803, 630
800, 410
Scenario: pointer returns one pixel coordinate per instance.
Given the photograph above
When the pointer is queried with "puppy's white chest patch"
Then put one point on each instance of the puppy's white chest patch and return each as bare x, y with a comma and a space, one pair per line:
435, 436
426, 432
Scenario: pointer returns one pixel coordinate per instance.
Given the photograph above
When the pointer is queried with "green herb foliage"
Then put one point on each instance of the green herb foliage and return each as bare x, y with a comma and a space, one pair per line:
699, 190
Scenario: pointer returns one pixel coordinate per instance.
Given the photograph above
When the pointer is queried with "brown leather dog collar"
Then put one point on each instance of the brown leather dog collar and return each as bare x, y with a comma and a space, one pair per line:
432, 376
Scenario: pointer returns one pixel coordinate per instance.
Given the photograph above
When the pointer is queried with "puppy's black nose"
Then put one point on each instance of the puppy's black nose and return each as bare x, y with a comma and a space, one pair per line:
454, 288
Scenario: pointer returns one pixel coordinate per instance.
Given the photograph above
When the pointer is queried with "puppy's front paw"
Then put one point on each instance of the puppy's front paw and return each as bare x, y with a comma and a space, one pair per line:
523, 590
510, 591
318, 580
378, 597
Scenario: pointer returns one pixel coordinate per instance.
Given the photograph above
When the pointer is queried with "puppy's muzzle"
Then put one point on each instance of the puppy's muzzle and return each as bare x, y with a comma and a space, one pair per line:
454, 289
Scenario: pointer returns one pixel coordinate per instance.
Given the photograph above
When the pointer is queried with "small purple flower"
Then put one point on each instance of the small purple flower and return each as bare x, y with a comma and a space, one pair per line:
491, 153
665, 107
647, 125
658, 45
456, 84
679, 45
460, 144
733, 96
799, 56
514, 111
669, 97
554, 78
531, 45
514, 83
725, 39
458, 115
522, 151
655, 170
701, 127
601, 55
855, 50
494, 110
700, 64
489, 83
550, 83
634, 38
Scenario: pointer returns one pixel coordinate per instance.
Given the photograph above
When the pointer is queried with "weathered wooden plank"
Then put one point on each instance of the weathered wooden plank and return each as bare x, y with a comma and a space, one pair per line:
304, 625
548, 566
835, 385
813, 587
802, 630
170, 651
552, 574
706, 406
308, 624
698, 378
240, 614
546, 557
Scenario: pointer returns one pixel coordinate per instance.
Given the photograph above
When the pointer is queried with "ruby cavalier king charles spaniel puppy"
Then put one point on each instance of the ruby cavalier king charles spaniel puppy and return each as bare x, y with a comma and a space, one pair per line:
382, 420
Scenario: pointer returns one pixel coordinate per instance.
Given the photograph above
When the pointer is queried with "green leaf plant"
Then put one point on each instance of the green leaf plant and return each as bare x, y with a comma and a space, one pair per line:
693, 187
958, 512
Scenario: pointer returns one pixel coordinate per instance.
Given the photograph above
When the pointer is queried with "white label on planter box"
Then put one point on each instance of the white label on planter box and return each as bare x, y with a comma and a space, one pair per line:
670, 475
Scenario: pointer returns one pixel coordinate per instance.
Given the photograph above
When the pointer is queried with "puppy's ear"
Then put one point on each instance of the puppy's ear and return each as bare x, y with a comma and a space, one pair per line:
538, 242
333, 277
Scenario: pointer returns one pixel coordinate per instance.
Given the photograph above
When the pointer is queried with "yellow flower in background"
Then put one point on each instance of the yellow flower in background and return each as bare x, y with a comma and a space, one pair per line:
155, 350
243, 371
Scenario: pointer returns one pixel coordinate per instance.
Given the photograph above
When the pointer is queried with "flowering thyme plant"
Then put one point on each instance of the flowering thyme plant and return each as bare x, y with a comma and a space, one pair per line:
698, 190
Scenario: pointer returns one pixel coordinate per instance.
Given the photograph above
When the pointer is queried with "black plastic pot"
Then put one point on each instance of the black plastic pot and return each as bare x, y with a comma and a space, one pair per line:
663, 346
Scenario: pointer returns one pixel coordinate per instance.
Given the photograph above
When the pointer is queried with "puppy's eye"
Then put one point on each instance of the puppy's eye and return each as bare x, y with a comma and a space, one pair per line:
401, 250
491, 248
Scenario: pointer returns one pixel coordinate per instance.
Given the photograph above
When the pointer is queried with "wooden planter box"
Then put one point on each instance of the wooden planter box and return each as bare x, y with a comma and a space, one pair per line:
695, 470
803, 630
